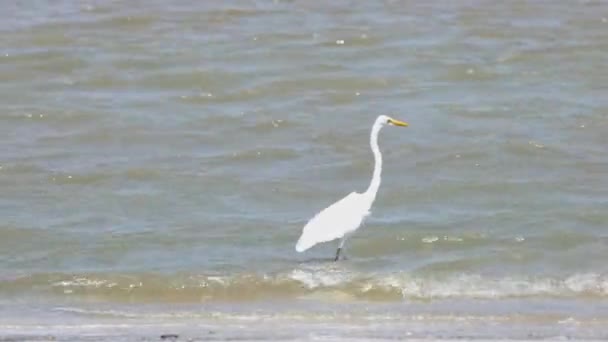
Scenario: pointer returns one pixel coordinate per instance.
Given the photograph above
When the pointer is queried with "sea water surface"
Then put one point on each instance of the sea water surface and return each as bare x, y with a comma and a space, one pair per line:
158, 160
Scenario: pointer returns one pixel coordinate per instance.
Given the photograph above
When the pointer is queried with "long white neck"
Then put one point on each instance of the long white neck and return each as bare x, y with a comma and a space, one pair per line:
372, 190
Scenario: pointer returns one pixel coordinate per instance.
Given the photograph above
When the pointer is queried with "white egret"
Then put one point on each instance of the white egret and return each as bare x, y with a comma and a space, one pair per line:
343, 218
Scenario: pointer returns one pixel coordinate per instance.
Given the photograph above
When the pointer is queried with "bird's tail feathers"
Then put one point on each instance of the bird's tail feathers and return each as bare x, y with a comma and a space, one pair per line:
303, 244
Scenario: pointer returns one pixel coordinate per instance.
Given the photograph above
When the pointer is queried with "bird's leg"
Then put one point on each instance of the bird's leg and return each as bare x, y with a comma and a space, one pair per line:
340, 248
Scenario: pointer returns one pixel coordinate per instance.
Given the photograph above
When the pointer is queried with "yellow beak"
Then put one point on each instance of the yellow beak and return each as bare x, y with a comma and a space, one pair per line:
398, 123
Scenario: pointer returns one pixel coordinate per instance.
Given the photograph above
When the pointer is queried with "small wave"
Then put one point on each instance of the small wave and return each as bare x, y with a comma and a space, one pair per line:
306, 282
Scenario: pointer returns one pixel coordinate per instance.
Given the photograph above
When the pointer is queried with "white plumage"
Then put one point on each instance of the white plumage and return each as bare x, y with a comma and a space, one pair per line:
343, 218
332, 217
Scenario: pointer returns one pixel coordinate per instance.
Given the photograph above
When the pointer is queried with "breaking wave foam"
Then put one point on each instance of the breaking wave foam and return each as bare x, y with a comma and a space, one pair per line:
304, 281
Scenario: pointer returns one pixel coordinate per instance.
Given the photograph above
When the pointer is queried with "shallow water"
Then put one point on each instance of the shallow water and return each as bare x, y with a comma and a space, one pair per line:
161, 158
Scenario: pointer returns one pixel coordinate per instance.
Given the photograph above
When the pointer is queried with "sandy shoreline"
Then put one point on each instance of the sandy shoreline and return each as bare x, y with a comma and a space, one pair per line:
193, 330
304, 320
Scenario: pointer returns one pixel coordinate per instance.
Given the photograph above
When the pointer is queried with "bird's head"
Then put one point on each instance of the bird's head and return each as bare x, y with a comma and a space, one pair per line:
387, 120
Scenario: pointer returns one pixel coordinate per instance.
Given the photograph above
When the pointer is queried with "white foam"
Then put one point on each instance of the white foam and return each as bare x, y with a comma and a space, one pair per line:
320, 278
85, 282
477, 286
329, 277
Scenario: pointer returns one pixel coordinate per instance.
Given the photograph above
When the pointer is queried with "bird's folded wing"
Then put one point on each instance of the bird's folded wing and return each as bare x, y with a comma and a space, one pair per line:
334, 221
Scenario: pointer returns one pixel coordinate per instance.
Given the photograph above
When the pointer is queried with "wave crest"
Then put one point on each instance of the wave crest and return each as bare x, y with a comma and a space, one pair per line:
303, 282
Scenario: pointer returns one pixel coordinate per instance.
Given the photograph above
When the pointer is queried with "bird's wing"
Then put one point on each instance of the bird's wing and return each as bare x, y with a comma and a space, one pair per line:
334, 221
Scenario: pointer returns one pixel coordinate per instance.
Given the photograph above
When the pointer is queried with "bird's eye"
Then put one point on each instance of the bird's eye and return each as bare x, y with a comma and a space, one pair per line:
388, 121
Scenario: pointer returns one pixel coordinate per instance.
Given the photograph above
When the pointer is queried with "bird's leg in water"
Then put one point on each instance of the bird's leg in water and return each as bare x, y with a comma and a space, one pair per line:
340, 248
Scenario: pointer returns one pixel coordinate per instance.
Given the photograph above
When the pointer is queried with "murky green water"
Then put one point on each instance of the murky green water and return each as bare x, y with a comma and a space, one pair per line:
159, 159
